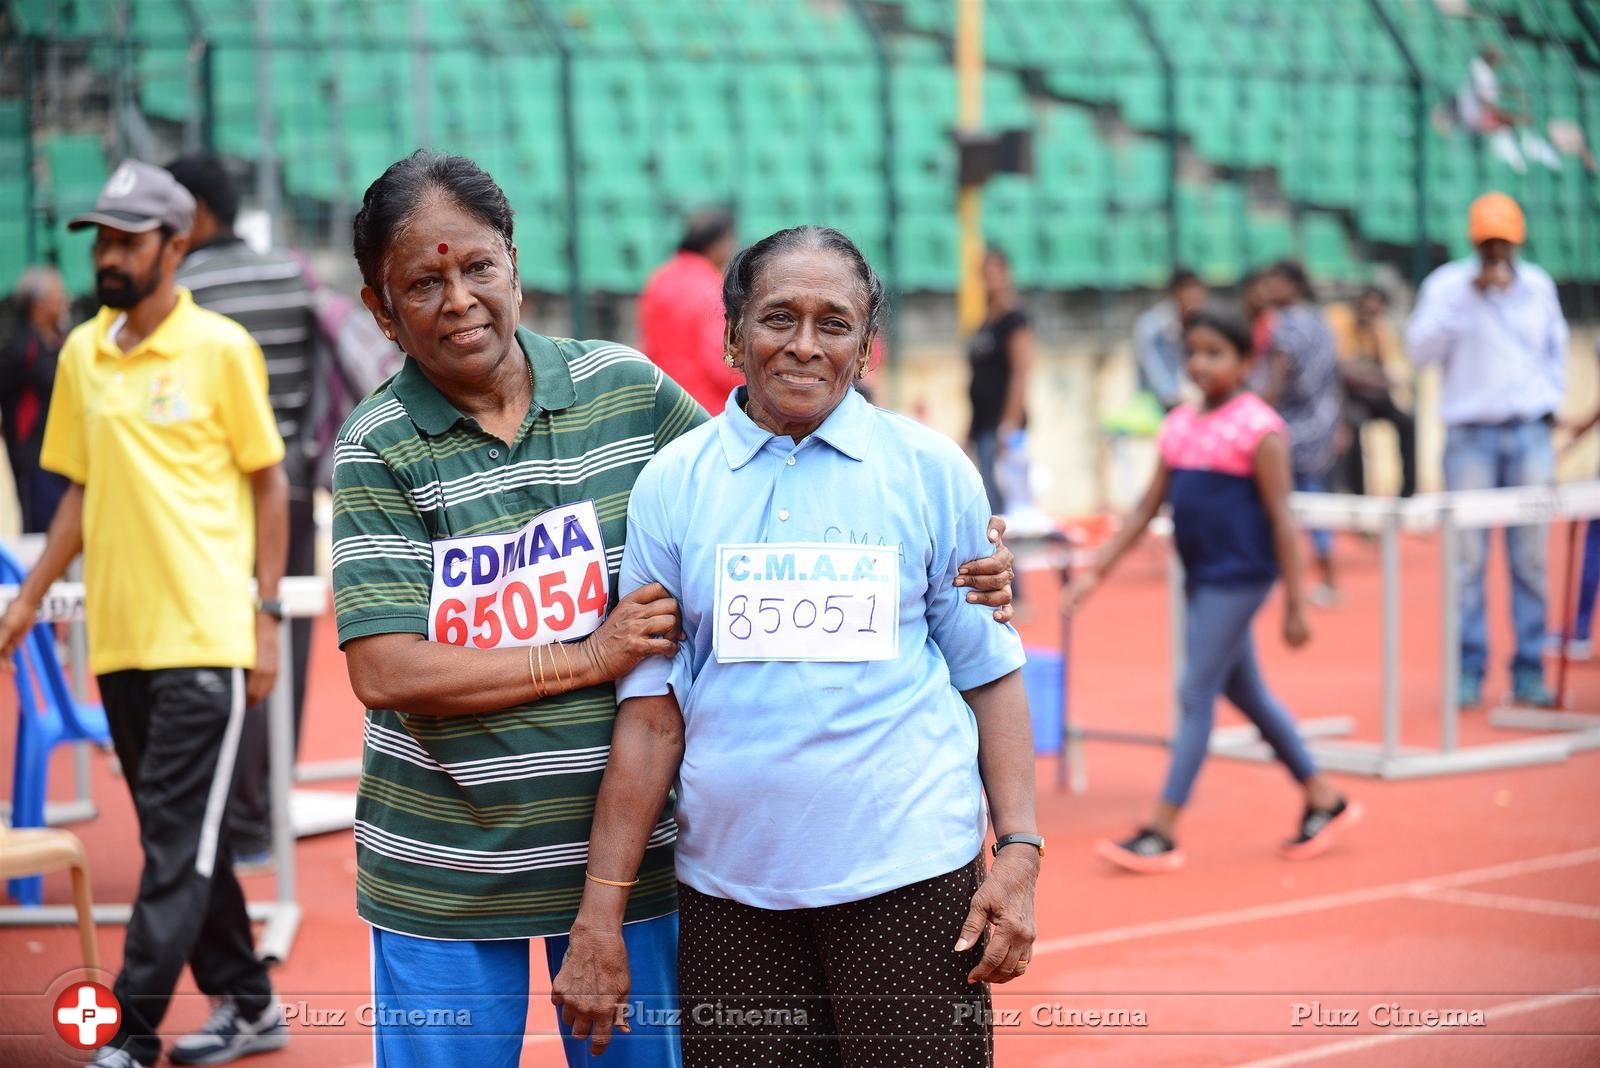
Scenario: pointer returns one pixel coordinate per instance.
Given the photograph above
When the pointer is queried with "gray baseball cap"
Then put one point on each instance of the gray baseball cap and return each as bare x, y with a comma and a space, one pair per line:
139, 197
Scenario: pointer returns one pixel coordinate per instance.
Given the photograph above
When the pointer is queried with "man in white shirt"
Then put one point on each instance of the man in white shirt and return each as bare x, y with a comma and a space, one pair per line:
1493, 324
1478, 109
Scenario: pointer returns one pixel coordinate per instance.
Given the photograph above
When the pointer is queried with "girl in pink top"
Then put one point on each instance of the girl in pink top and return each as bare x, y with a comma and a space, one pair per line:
1225, 473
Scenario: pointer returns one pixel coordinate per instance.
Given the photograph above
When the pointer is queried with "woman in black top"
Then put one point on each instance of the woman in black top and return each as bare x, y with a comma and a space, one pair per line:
1001, 353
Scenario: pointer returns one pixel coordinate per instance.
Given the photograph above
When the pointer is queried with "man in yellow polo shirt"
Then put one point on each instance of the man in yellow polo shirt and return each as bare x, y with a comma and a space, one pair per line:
161, 422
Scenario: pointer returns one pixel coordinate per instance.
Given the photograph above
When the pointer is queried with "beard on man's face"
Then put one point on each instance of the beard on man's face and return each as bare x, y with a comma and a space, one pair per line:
117, 289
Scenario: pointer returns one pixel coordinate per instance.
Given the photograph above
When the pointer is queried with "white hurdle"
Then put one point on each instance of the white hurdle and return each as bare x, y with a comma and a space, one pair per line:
1448, 514
302, 597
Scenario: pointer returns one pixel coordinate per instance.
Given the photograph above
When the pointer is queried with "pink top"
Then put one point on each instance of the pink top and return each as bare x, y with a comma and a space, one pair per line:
1223, 440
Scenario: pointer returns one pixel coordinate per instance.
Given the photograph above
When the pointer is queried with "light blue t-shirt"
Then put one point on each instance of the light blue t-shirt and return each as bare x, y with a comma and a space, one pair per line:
814, 783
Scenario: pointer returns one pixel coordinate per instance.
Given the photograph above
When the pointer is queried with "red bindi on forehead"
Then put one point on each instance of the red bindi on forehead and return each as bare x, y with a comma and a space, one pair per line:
443, 248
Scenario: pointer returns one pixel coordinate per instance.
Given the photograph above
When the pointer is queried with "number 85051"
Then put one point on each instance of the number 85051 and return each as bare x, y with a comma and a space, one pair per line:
801, 614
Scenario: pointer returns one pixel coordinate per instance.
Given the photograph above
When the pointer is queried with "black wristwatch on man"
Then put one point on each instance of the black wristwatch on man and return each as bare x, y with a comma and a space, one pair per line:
270, 606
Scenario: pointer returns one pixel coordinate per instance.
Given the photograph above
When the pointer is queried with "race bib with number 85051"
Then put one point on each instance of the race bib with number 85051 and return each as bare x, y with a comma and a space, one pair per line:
807, 601
544, 583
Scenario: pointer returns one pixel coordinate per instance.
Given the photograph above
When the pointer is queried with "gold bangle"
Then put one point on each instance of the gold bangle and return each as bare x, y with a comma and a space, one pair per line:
572, 672
608, 882
532, 681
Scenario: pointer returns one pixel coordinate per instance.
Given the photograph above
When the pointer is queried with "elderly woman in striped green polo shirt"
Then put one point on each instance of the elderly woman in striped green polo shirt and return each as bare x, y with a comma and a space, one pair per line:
480, 505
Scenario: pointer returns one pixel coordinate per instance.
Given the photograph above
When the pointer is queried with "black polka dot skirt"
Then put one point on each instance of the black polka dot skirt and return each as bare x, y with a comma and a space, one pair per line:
866, 983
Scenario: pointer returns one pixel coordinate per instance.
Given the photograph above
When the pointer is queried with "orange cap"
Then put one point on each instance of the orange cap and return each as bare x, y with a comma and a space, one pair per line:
1496, 215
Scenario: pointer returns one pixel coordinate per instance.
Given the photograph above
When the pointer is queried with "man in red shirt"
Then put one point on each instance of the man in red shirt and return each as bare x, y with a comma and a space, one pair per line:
680, 312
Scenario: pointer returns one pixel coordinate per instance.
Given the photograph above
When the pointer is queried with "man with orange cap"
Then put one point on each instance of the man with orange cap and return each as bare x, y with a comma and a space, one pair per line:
1494, 326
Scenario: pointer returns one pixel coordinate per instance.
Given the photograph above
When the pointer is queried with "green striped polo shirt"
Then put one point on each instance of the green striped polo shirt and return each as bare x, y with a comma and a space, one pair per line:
478, 826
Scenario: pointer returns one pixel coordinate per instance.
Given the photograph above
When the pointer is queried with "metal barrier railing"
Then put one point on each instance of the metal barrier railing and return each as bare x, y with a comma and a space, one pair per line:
303, 598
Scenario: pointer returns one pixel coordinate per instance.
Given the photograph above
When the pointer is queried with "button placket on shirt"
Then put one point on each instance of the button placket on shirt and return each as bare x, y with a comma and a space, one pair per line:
780, 490
500, 455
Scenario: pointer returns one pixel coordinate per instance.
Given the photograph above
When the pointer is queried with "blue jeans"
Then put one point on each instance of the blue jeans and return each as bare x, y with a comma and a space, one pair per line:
470, 1000
1583, 624
1321, 540
1488, 457
986, 443
1222, 660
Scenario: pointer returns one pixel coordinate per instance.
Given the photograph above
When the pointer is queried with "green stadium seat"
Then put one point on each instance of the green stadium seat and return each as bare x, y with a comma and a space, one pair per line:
71, 253
927, 246
1143, 169
1138, 251
1390, 217
77, 169
680, 103
1268, 237
1072, 245
1143, 101
1210, 237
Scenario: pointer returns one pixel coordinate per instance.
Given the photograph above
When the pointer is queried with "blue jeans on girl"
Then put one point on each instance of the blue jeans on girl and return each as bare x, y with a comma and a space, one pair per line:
1589, 582
1222, 660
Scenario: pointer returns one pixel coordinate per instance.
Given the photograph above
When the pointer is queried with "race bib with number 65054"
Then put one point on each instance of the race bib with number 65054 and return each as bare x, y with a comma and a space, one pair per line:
807, 601
544, 583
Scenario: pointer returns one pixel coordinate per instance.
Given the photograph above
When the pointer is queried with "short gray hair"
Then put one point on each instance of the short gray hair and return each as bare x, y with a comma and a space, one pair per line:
34, 283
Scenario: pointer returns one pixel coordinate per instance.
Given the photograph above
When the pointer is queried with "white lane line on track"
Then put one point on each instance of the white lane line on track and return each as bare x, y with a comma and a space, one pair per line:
1356, 1045
1322, 903
1410, 888
1509, 903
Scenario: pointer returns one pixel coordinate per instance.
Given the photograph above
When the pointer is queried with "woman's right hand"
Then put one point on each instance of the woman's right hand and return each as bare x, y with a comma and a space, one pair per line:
644, 623
1078, 591
1003, 906
591, 989
1296, 631
15, 624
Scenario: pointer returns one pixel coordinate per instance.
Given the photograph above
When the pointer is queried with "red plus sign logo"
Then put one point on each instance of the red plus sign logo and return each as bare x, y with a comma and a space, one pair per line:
86, 1015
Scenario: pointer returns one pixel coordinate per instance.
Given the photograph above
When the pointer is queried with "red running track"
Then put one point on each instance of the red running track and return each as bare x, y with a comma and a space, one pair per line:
1471, 894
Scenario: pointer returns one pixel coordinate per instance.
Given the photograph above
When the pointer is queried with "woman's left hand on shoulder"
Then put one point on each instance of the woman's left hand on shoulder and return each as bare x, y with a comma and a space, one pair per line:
989, 578
1004, 905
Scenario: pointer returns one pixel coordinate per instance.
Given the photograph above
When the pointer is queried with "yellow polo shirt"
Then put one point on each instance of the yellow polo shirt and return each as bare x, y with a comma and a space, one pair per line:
162, 439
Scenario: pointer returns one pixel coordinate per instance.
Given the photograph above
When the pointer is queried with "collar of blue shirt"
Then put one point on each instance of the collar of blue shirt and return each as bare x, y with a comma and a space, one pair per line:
848, 429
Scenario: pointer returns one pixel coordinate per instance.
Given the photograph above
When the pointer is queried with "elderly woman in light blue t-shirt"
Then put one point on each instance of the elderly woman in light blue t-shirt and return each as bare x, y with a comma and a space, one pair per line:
834, 720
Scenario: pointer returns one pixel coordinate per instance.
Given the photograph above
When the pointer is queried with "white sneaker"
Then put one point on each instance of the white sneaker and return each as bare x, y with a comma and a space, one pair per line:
1577, 648
107, 1057
1324, 596
227, 1036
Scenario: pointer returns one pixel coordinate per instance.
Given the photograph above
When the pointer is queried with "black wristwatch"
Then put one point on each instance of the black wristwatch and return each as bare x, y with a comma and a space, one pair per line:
1035, 840
272, 607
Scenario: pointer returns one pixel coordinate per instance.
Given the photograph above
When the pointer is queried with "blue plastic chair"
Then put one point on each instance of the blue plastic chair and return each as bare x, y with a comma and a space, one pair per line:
47, 716
1042, 677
